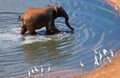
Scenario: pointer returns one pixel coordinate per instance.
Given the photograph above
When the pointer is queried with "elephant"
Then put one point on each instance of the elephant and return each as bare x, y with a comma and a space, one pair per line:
36, 18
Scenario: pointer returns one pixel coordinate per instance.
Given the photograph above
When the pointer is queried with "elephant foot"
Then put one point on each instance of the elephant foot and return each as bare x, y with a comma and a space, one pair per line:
52, 33
72, 31
56, 32
33, 33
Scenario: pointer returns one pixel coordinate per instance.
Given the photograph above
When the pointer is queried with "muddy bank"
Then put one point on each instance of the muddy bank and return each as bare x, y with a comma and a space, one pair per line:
114, 3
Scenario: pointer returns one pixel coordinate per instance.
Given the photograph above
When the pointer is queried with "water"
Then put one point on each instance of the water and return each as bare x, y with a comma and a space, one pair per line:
96, 27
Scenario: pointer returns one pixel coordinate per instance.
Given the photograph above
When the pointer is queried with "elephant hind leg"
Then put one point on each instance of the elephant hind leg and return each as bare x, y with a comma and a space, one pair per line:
31, 30
23, 30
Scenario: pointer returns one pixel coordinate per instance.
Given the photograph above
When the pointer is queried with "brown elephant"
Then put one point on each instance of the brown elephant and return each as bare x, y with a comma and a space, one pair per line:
36, 18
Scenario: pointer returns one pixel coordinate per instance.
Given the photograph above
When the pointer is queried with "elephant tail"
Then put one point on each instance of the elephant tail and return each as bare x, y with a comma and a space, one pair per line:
19, 19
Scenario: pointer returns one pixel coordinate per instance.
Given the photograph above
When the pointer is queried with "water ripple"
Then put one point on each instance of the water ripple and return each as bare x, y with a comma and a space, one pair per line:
96, 27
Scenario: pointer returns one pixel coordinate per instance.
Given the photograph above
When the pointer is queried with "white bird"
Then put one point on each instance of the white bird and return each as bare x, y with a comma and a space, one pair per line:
42, 69
100, 56
112, 53
49, 68
96, 58
29, 73
108, 58
105, 52
116, 7
32, 70
95, 52
96, 61
35, 68
81, 64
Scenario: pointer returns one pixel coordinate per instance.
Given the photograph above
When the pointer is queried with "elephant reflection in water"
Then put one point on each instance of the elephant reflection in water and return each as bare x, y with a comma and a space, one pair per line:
42, 52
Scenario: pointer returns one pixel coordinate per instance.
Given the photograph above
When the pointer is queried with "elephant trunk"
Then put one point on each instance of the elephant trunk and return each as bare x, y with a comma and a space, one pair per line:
66, 21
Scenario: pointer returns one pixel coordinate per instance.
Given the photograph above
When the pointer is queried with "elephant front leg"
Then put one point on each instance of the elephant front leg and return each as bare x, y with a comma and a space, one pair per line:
51, 28
55, 30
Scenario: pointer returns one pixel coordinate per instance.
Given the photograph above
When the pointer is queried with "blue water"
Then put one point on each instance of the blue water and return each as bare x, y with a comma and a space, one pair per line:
97, 27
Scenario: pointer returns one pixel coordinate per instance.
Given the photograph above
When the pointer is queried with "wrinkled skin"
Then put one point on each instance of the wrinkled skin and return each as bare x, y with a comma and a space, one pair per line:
36, 18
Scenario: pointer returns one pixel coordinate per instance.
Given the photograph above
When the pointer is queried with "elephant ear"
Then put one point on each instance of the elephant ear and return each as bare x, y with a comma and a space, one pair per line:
57, 8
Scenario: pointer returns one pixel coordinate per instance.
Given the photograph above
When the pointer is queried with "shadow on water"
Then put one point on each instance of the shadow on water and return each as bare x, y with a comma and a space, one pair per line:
96, 29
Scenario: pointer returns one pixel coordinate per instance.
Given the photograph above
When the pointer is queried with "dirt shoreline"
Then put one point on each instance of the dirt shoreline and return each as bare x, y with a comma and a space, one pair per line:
114, 3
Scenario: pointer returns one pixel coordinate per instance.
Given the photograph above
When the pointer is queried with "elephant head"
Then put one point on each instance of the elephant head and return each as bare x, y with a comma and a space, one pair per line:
60, 12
